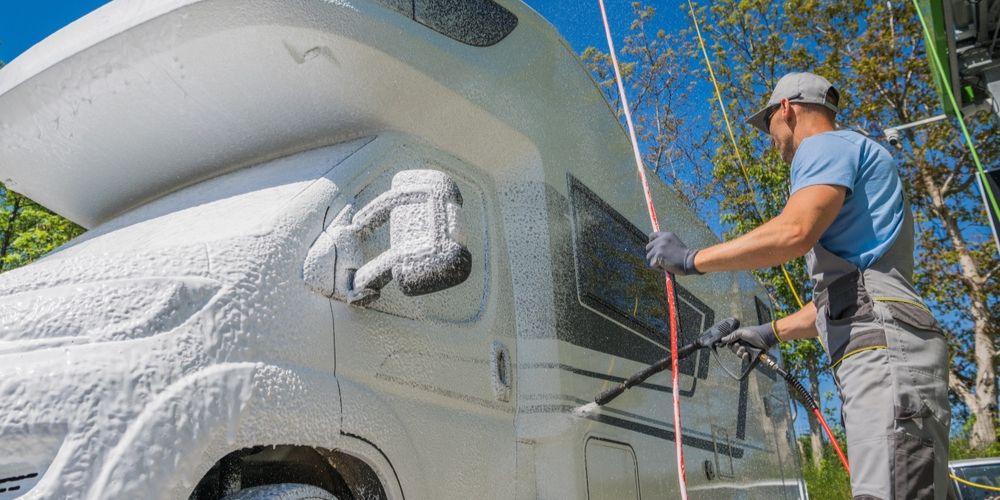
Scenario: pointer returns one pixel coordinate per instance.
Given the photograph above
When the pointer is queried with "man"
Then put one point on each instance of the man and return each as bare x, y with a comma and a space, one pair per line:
847, 214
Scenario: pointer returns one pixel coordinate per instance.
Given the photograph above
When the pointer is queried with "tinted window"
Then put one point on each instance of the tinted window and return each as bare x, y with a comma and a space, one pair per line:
763, 312
475, 22
480, 23
611, 266
614, 279
988, 474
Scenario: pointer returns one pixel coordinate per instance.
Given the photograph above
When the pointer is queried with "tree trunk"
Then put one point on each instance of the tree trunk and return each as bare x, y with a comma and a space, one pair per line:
984, 431
982, 401
8, 232
815, 438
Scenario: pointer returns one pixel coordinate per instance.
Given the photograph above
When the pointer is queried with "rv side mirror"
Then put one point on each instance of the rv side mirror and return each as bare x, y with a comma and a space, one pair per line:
424, 254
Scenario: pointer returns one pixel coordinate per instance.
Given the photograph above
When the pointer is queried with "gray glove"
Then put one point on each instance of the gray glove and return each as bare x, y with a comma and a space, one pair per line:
759, 336
667, 252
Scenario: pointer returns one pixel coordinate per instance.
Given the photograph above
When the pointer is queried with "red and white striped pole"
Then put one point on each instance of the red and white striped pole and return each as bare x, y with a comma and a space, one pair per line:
671, 297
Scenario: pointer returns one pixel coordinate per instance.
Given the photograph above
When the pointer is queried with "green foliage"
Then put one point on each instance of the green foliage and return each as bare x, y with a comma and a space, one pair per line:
28, 231
657, 86
960, 448
828, 481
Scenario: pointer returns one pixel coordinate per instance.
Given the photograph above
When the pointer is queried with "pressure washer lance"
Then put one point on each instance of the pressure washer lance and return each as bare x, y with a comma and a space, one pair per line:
709, 338
712, 338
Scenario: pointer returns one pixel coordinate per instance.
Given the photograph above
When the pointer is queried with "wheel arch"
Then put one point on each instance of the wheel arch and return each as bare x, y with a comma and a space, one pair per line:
339, 471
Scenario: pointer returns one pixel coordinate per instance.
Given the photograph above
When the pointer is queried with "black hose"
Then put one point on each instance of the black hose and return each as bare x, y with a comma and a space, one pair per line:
798, 388
807, 399
640, 377
803, 395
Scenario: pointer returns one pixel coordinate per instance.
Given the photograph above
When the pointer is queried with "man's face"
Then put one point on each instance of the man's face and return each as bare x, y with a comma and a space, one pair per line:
781, 133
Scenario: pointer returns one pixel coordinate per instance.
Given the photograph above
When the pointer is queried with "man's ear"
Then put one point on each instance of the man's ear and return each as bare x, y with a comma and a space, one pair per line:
787, 112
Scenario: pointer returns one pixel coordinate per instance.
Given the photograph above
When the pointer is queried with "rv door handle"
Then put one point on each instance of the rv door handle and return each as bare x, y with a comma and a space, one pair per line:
501, 373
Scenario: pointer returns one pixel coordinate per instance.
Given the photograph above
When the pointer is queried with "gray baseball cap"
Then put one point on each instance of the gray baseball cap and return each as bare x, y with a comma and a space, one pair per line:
797, 87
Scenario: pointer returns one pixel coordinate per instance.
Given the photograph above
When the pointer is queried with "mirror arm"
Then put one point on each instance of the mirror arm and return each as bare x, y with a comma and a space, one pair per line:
376, 214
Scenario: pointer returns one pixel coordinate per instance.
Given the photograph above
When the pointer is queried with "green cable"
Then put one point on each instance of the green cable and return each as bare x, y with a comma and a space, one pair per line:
929, 43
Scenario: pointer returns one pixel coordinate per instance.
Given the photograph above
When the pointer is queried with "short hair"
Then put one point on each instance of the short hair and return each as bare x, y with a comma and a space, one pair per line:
818, 108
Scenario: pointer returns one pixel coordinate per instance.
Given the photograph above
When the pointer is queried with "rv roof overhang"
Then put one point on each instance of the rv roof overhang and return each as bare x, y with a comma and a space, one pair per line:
140, 99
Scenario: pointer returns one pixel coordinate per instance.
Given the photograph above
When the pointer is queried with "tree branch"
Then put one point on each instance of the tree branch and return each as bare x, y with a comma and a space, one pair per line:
958, 385
15, 212
990, 274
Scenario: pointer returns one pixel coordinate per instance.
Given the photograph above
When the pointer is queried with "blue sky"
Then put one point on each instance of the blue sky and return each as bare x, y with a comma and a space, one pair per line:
23, 24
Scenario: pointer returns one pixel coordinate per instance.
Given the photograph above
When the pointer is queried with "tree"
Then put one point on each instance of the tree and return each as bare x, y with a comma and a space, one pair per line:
658, 86
28, 231
958, 267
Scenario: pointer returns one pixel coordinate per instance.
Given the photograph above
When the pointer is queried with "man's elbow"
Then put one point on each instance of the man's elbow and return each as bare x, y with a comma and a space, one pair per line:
799, 240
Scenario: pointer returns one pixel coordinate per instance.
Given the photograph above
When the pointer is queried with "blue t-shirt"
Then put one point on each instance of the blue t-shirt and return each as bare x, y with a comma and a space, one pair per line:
872, 214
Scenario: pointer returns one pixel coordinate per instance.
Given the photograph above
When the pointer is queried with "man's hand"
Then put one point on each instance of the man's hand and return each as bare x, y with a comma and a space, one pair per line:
667, 252
760, 336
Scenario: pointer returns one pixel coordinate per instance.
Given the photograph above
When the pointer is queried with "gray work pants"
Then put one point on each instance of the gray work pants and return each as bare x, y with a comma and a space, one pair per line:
895, 403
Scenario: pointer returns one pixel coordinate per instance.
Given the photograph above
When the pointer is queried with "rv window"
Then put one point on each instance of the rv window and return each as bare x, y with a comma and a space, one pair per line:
763, 311
612, 274
480, 23
614, 279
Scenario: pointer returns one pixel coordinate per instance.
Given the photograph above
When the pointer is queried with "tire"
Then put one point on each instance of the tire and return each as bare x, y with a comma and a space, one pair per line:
284, 491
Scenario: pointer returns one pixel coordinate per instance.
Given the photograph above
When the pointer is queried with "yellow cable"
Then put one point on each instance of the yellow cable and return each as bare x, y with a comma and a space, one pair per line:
788, 279
736, 148
725, 115
929, 42
974, 485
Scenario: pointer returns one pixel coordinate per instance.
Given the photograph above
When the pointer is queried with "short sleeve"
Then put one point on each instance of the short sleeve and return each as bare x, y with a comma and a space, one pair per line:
825, 159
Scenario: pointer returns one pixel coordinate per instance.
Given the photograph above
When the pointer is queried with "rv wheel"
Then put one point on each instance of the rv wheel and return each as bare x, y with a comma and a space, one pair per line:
286, 491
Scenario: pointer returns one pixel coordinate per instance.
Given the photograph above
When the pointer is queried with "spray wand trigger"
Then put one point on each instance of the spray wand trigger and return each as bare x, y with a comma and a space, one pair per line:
750, 354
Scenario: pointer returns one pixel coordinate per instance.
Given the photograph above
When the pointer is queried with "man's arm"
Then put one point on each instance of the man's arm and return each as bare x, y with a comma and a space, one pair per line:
808, 213
799, 325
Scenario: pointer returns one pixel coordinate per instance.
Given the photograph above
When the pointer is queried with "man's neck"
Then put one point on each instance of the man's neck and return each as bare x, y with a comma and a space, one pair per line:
806, 129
